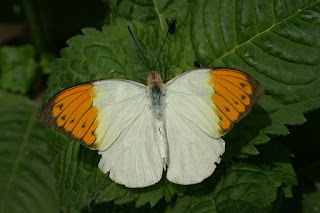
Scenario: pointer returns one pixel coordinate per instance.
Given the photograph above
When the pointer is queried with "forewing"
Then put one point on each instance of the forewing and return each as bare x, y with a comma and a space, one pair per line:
119, 103
114, 117
234, 94
71, 112
201, 106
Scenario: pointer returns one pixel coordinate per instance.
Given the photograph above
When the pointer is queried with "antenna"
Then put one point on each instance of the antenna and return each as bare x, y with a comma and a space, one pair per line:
171, 29
139, 48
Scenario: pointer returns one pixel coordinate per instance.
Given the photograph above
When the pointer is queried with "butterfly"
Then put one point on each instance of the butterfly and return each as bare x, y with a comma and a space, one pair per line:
140, 131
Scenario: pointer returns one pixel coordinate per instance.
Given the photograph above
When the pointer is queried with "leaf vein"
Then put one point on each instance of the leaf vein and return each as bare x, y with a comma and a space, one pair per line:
23, 145
253, 37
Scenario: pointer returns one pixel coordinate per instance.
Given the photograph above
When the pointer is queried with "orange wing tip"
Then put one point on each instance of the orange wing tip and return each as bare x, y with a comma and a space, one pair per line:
71, 112
71, 91
234, 94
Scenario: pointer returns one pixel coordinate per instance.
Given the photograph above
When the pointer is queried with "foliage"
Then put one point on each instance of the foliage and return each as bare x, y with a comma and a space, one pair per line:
18, 68
276, 42
27, 181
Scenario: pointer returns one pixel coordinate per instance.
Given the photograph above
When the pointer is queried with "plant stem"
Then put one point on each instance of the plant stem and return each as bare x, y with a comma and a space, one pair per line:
36, 29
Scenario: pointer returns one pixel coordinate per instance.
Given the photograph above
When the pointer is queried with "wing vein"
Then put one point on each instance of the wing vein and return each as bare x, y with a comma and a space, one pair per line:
235, 86
232, 76
88, 129
231, 93
227, 101
122, 100
67, 107
104, 135
222, 112
80, 119
83, 91
182, 116
76, 109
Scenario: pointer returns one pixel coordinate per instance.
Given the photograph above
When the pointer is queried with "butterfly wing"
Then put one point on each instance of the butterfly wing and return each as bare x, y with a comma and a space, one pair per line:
201, 106
113, 117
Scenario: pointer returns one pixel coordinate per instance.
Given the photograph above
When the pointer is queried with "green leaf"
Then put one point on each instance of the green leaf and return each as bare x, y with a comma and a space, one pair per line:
278, 155
243, 188
18, 68
152, 12
27, 181
277, 43
46, 62
199, 204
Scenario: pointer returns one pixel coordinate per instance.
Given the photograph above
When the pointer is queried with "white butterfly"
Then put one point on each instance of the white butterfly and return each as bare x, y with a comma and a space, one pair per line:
140, 131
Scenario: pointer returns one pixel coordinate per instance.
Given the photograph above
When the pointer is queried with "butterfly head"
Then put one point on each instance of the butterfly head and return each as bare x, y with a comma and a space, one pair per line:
154, 78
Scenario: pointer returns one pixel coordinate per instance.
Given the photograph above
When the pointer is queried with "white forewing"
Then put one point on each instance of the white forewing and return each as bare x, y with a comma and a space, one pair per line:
119, 103
192, 128
125, 134
190, 95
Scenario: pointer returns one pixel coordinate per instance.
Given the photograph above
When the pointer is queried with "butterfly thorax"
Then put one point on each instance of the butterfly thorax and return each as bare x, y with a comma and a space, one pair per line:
156, 96
155, 93
154, 78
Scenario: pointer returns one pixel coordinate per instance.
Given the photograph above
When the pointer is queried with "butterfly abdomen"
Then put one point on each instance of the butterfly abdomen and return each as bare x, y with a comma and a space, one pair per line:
157, 107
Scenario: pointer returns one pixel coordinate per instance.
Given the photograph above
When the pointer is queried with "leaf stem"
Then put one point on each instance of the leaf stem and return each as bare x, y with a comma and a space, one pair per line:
36, 30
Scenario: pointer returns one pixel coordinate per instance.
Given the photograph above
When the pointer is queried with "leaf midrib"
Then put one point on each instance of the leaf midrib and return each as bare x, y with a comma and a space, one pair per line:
257, 35
158, 13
